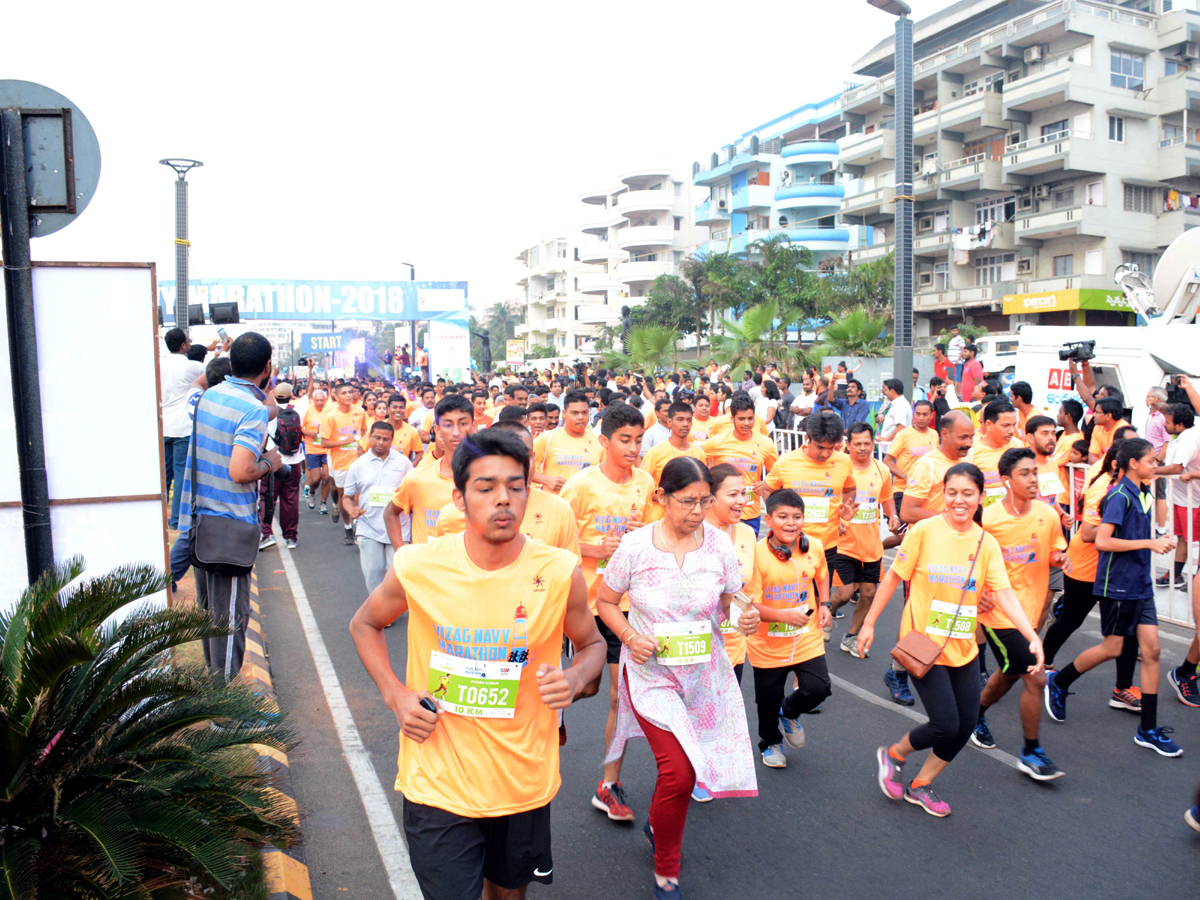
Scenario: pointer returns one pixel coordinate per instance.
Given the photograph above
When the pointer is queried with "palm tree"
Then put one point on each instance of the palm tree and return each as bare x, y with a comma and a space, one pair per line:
758, 339
651, 349
502, 320
115, 781
857, 333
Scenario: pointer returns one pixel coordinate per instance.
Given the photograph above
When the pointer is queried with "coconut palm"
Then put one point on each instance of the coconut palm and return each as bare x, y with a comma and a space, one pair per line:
857, 333
122, 775
759, 338
651, 349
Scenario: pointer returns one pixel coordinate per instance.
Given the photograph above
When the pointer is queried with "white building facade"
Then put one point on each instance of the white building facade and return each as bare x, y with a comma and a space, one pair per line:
552, 279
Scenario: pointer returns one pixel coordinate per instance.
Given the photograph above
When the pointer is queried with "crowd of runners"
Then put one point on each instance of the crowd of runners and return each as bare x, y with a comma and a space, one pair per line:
542, 530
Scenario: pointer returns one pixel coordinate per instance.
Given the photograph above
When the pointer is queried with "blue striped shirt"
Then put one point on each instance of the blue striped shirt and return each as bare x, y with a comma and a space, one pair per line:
230, 414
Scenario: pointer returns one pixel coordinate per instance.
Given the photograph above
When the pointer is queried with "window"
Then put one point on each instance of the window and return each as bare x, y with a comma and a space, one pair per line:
1063, 198
1064, 265
1095, 193
1093, 262
1171, 67
677, 257
1116, 129
562, 249
994, 268
997, 209
1139, 198
678, 188
1168, 5
941, 276
1053, 130
678, 223
941, 220
1171, 134
1144, 261
1128, 70
576, 285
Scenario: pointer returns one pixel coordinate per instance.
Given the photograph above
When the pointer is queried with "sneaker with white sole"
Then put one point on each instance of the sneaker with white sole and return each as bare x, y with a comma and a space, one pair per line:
1038, 766
773, 757
889, 774
1185, 688
290, 544
793, 731
1157, 740
700, 795
850, 645
268, 541
926, 798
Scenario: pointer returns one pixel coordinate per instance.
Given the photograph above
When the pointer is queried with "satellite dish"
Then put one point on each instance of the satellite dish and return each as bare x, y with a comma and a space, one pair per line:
1182, 254
62, 155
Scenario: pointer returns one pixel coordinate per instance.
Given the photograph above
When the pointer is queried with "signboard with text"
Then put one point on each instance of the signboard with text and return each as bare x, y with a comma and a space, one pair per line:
514, 352
322, 343
1075, 298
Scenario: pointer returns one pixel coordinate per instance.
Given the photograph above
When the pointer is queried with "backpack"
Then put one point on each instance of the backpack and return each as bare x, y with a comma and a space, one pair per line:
288, 435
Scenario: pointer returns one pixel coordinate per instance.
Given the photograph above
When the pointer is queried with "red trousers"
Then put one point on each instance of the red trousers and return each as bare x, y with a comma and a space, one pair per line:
672, 795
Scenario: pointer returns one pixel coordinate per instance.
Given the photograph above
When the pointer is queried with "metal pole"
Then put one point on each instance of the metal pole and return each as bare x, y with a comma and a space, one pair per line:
181, 252
22, 347
902, 355
412, 325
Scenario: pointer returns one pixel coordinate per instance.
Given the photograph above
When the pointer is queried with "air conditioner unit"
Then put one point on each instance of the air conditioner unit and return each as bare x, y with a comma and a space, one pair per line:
1041, 191
720, 204
1024, 266
1190, 50
1033, 54
925, 279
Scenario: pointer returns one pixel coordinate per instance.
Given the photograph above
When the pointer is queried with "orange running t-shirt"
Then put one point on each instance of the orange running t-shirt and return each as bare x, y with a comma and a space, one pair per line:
785, 585
558, 453
820, 484
907, 447
312, 422
483, 767
338, 425
1026, 544
701, 429
422, 494
745, 542
988, 460
601, 506
861, 540
725, 423
1102, 438
1084, 556
754, 458
935, 559
925, 479
548, 518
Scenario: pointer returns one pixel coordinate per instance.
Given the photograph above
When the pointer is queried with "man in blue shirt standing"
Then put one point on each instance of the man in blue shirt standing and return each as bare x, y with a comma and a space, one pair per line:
1126, 591
854, 408
230, 430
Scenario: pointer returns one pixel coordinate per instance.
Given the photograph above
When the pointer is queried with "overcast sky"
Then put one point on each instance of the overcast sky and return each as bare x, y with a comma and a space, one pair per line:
341, 139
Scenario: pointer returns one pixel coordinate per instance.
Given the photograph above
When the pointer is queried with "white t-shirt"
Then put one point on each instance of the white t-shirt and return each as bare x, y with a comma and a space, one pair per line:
955, 348
763, 409
1184, 450
656, 434
416, 418
898, 415
806, 400
375, 480
177, 377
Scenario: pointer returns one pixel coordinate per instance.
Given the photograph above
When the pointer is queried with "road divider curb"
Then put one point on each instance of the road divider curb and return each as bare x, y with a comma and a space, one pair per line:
285, 871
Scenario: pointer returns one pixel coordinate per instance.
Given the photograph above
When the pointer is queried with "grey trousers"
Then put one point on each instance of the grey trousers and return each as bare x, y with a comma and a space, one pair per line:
228, 599
375, 558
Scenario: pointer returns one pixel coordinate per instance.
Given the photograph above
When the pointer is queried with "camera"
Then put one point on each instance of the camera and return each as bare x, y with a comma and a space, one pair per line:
285, 471
1078, 351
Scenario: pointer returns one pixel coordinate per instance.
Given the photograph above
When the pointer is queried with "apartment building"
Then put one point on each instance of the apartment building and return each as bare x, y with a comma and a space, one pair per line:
780, 178
639, 229
1052, 144
552, 278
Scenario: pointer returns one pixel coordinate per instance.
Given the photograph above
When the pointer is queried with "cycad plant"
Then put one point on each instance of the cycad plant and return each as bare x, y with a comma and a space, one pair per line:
758, 339
121, 774
651, 349
857, 333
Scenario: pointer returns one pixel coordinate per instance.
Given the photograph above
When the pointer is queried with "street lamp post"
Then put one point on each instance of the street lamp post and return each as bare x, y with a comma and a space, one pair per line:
902, 315
412, 323
181, 167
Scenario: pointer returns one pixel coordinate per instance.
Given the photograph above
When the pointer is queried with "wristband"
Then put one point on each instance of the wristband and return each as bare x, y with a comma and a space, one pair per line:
827, 604
621, 637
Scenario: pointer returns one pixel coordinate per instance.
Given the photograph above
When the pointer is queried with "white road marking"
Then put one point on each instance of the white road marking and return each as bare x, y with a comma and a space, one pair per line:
386, 832
862, 693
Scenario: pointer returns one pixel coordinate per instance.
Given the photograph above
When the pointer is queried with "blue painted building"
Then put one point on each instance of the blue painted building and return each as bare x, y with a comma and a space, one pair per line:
781, 178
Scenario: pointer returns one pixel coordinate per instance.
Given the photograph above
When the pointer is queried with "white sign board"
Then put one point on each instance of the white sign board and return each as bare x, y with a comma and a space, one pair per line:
449, 350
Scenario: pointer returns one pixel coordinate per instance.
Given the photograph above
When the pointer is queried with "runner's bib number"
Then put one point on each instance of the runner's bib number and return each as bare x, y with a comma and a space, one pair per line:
602, 565
784, 630
993, 495
379, 497
1049, 484
868, 513
683, 643
816, 509
944, 623
468, 687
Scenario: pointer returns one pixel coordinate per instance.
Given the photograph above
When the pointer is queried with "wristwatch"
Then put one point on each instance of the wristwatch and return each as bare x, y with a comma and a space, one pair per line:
827, 603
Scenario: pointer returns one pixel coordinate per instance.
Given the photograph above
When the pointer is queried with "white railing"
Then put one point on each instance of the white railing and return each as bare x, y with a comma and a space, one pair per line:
1178, 612
1055, 138
965, 161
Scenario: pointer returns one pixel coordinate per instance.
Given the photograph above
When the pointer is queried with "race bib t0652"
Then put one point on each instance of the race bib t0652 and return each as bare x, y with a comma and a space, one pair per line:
468, 687
944, 623
683, 643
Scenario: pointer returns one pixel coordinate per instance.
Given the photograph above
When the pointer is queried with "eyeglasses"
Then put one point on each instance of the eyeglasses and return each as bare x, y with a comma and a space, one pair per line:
703, 502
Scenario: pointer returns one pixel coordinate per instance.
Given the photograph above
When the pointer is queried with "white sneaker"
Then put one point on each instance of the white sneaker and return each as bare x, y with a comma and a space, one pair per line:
773, 757
268, 541
291, 545
850, 644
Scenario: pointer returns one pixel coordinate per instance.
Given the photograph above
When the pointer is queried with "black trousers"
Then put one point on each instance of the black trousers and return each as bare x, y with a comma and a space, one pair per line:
1077, 601
813, 687
950, 695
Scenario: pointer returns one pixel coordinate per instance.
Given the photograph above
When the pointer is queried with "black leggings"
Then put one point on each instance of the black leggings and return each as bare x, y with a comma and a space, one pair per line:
813, 687
1077, 601
951, 698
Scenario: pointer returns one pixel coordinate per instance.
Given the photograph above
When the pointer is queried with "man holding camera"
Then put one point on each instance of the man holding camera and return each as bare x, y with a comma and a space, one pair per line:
233, 416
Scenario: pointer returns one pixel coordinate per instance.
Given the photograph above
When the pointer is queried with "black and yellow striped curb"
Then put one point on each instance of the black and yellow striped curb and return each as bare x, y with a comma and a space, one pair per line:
286, 873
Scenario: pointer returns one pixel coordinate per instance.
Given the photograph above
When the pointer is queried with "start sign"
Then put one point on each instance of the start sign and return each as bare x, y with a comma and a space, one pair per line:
322, 343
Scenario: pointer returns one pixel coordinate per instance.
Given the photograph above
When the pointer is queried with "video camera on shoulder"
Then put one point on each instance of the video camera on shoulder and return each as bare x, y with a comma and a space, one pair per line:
1077, 351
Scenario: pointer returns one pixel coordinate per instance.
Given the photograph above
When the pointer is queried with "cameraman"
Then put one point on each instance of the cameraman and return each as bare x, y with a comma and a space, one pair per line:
233, 416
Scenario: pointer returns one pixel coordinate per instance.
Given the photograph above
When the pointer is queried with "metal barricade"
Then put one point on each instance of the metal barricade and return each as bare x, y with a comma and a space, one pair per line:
787, 440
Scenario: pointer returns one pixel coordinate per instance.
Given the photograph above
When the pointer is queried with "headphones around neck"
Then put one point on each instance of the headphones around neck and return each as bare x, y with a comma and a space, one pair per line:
782, 553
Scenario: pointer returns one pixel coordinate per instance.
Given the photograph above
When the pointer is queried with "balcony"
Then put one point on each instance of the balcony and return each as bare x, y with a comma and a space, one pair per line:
601, 225
933, 244
600, 285
710, 212
869, 196
808, 196
522, 329
1063, 283
1178, 158
739, 163
638, 271
864, 149
598, 252
981, 110
594, 198
752, 196
1038, 155
873, 253
973, 173
1049, 87
645, 201
639, 179
636, 237
869, 96
1077, 220
599, 314
814, 153
1172, 224
821, 241
972, 296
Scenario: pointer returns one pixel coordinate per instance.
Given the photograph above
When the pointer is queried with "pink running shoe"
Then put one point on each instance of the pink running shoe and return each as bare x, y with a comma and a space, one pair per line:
889, 774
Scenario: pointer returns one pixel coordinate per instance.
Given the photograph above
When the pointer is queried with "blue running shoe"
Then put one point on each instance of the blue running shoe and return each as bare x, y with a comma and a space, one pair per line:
1192, 817
1156, 739
793, 731
773, 757
897, 683
670, 892
700, 795
1037, 765
649, 833
1056, 698
982, 735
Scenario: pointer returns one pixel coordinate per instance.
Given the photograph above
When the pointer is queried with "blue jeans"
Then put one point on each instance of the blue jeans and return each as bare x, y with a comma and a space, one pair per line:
175, 461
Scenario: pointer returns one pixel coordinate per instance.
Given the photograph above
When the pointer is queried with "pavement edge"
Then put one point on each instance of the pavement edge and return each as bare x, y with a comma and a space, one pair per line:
285, 871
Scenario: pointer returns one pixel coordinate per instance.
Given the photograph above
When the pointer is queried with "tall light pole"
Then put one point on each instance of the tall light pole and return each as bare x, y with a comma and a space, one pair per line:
902, 314
181, 167
412, 323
